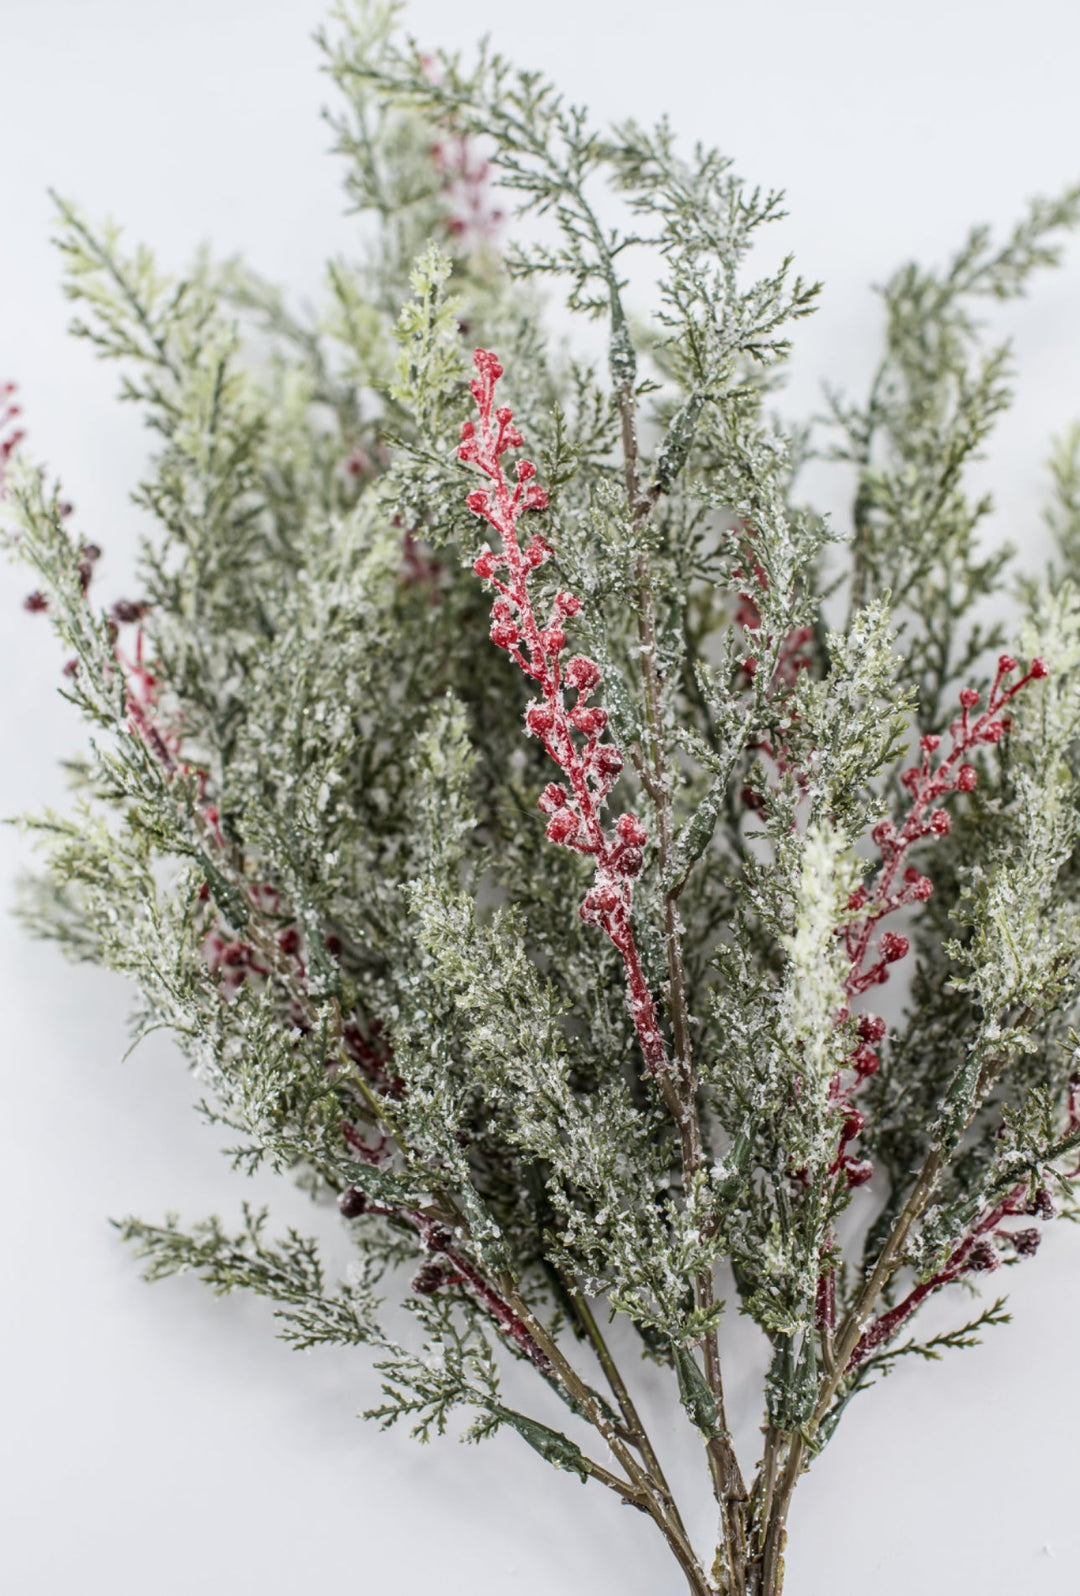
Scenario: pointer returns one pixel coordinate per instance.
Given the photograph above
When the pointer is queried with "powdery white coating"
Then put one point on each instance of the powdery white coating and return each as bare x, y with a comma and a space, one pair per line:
591, 766
926, 783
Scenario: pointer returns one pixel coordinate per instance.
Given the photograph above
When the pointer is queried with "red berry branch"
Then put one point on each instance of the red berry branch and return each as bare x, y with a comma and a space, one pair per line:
897, 885
976, 1254
464, 173
792, 657
448, 1265
927, 785
10, 434
234, 959
572, 735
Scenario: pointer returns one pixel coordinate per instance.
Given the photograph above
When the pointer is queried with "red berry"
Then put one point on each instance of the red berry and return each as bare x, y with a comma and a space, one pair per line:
607, 760
866, 1061
969, 698
894, 947
562, 826
1038, 668
487, 365
940, 824
631, 830
601, 899
553, 797
1006, 663
983, 1256
589, 720
966, 778
540, 718
854, 1123
582, 673
628, 861
429, 1277
352, 1203
871, 1027
553, 641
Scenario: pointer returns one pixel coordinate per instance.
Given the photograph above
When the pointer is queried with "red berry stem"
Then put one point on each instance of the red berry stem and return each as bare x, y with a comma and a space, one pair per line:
573, 736
927, 784
898, 884
457, 1270
975, 1254
10, 434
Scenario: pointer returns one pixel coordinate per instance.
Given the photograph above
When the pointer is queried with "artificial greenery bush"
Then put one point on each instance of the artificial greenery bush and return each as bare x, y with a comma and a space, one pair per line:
500, 801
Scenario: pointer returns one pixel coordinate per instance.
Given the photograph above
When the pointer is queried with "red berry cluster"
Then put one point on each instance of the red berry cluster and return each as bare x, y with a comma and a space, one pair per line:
572, 733
792, 656
447, 1264
464, 173
10, 435
899, 884
980, 1252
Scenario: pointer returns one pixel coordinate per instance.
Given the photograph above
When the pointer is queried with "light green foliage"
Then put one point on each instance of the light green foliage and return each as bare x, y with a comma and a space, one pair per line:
304, 824
933, 402
1063, 512
290, 1274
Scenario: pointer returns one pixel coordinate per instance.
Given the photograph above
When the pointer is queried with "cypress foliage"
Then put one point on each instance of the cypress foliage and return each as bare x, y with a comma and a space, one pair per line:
500, 780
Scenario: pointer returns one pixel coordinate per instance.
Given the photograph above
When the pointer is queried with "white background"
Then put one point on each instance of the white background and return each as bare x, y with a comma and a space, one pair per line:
159, 1442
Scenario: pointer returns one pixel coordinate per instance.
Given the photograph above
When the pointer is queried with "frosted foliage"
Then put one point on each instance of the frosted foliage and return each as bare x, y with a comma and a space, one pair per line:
511, 794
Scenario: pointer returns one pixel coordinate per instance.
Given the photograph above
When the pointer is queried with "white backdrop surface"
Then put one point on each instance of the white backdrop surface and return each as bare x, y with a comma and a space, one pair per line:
159, 1442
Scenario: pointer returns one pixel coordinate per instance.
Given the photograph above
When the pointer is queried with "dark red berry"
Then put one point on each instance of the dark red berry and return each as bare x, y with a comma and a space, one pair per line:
352, 1202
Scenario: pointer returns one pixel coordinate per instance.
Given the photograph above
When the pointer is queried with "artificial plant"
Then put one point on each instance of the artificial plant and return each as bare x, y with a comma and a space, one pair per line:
512, 797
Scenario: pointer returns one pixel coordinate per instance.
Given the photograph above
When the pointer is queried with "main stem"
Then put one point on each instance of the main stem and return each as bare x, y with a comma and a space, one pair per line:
728, 1485
776, 1500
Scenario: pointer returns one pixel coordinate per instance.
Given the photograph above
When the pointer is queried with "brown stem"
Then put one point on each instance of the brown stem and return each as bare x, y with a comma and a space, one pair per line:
653, 1492
772, 1570
728, 1483
851, 1330
627, 1406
